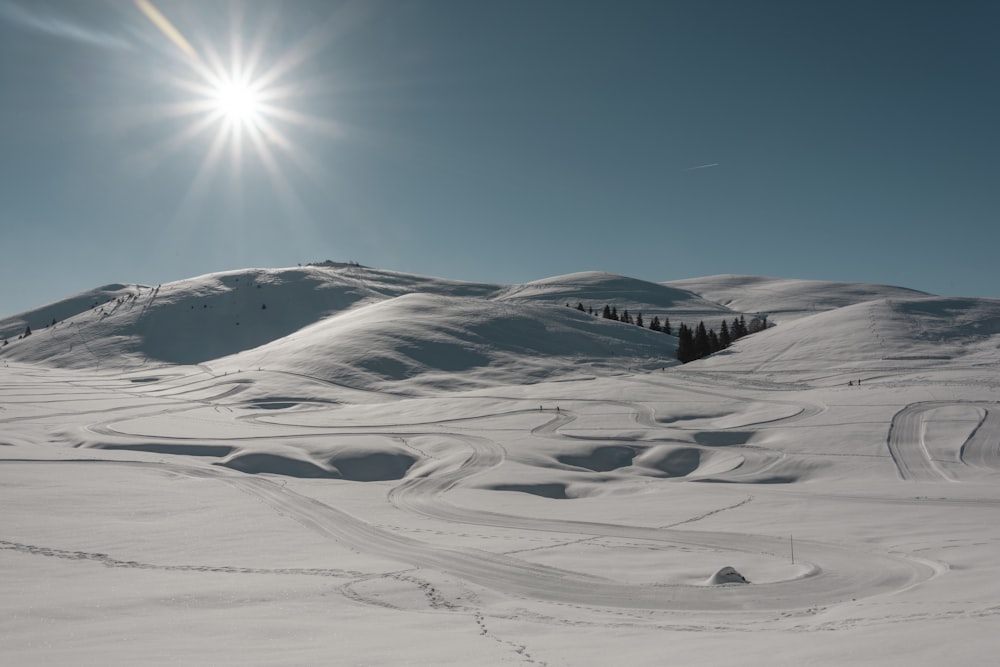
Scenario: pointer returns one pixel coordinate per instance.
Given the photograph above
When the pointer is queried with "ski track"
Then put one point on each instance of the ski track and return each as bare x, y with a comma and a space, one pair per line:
837, 573
908, 449
109, 561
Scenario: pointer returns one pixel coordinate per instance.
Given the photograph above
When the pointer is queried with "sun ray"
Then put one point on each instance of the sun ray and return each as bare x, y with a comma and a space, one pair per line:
244, 104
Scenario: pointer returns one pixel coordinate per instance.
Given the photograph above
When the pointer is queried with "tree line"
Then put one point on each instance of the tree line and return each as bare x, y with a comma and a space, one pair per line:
698, 342
692, 343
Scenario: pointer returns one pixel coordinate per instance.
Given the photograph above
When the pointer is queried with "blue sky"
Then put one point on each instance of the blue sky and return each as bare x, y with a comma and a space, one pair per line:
501, 141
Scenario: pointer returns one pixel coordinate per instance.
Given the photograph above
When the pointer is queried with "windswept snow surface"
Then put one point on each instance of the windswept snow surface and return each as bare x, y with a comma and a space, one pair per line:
785, 299
404, 470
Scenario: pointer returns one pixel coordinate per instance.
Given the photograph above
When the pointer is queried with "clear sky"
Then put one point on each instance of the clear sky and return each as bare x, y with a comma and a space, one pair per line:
147, 141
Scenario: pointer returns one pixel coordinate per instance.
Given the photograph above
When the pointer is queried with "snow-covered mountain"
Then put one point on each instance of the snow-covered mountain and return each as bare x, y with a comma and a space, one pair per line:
373, 325
323, 320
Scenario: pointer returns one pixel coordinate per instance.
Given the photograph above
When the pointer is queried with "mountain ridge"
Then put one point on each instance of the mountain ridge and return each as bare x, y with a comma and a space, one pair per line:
377, 326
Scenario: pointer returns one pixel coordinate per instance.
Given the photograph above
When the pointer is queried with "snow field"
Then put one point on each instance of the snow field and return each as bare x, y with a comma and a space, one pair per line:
541, 503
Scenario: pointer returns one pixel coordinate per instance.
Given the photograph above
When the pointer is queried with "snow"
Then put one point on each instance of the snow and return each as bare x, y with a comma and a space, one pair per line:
383, 469
785, 299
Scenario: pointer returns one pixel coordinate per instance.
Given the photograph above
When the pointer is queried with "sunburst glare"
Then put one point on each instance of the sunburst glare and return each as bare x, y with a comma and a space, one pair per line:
237, 101
243, 104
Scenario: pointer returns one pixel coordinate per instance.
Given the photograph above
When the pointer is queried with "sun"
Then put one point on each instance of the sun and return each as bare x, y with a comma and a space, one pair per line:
237, 102
241, 98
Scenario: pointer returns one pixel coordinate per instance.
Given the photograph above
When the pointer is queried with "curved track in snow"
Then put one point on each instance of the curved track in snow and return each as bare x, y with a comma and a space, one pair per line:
838, 574
835, 573
982, 449
908, 448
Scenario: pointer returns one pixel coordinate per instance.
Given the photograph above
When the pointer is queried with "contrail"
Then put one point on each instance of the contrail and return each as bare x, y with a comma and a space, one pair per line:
701, 166
57, 26
166, 27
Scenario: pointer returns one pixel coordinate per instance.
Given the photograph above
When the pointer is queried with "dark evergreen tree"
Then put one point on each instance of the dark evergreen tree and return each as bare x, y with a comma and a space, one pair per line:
579, 307
590, 310
739, 329
666, 326
685, 344
758, 323
614, 313
638, 320
607, 312
655, 324
713, 342
702, 348
725, 340
27, 331
626, 318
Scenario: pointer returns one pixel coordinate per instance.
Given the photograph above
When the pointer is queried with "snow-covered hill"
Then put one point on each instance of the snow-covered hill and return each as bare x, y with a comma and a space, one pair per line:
368, 327
458, 342
341, 465
785, 299
595, 289
872, 336
220, 315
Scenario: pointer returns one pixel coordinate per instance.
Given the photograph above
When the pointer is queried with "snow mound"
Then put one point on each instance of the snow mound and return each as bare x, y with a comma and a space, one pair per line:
726, 575
600, 459
256, 463
553, 491
682, 461
352, 465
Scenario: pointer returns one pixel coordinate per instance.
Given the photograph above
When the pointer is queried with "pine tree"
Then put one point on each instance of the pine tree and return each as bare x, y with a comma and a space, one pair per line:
579, 307
626, 318
725, 340
638, 320
614, 313
702, 348
685, 344
655, 324
27, 331
713, 342
739, 329
607, 312
666, 326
